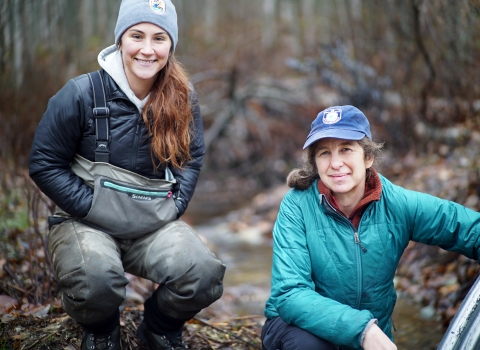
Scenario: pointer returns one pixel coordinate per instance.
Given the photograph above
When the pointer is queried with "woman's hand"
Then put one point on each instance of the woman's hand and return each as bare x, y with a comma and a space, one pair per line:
375, 339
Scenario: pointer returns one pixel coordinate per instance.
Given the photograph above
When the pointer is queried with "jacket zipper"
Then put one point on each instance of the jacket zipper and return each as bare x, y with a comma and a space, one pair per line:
356, 237
393, 324
136, 139
357, 251
357, 240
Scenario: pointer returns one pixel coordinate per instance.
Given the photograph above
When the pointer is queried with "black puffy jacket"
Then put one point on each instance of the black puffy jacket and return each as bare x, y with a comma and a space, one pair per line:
67, 128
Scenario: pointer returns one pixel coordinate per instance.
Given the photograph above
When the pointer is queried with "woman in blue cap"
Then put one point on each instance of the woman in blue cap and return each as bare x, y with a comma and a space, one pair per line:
338, 238
119, 151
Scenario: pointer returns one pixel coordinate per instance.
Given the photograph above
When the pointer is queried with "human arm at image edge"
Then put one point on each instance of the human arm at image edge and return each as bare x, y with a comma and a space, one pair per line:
444, 223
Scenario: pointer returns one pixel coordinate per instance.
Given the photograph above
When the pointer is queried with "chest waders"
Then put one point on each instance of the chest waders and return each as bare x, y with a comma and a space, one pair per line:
131, 227
125, 205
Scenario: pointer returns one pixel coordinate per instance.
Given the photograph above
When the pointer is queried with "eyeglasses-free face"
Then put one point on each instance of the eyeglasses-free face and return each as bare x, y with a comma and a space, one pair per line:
341, 165
145, 49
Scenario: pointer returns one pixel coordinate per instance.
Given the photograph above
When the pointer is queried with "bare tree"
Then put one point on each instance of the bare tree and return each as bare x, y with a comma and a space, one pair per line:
310, 27
268, 32
17, 44
211, 8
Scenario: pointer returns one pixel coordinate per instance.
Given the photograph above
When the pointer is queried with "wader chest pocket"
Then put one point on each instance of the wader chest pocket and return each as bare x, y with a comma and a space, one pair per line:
134, 192
127, 210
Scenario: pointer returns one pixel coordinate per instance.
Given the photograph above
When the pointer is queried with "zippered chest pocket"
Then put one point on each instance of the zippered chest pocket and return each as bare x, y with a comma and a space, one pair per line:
127, 210
134, 192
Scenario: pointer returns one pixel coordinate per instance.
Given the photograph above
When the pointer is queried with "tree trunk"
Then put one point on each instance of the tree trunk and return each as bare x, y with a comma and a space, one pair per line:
356, 7
309, 24
210, 19
269, 27
17, 44
86, 15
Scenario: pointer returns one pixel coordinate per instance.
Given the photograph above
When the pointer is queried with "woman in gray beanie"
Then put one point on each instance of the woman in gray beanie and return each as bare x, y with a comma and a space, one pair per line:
119, 151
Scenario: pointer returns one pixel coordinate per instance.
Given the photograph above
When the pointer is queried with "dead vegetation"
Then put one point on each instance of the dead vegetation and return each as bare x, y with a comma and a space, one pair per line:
59, 331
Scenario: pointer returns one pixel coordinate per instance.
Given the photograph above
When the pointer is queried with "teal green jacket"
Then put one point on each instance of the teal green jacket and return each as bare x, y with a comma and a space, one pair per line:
332, 283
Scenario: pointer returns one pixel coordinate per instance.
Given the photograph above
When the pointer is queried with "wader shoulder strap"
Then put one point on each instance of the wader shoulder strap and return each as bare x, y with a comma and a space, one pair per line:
101, 114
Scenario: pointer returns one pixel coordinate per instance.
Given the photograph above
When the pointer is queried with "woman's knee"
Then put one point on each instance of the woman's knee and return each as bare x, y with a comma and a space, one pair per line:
201, 280
88, 268
210, 272
97, 285
178, 259
186, 293
277, 334
307, 341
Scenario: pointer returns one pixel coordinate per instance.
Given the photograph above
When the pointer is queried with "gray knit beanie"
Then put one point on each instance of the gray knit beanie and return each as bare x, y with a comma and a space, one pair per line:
159, 12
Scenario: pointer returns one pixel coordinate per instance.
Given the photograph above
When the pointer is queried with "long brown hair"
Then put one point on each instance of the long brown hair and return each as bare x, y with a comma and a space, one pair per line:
168, 116
303, 177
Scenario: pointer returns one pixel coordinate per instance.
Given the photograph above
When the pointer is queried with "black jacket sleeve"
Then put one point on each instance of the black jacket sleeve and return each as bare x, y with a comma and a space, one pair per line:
54, 146
188, 177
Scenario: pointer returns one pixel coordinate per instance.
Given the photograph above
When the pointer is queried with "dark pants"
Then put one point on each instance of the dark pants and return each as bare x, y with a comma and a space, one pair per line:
278, 335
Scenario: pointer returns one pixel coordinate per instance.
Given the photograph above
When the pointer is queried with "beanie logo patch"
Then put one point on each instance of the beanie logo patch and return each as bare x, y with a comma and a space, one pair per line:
332, 116
157, 6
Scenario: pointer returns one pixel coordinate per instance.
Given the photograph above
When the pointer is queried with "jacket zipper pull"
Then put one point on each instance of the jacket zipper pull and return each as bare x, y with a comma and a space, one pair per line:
357, 241
393, 324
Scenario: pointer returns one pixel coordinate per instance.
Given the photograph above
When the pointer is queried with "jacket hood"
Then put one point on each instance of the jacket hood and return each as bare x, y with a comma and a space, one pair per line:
110, 59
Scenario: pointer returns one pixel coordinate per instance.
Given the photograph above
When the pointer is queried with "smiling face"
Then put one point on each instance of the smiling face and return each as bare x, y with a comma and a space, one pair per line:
145, 51
341, 165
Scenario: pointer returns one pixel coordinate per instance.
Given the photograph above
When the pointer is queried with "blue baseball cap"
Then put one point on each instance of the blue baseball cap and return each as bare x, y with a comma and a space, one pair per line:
340, 122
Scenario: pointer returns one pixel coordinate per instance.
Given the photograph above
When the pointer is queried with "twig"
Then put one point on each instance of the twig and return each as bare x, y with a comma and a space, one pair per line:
9, 292
71, 346
15, 287
227, 332
239, 318
131, 321
39, 340
8, 270
207, 339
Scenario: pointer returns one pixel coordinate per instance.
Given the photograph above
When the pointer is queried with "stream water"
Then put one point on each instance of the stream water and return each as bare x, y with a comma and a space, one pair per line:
247, 283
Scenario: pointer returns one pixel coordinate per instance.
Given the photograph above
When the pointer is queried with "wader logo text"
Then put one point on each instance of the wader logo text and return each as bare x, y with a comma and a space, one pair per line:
141, 198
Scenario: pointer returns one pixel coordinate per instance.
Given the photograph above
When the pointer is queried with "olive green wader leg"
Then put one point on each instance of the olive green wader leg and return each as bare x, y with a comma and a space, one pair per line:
89, 270
189, 275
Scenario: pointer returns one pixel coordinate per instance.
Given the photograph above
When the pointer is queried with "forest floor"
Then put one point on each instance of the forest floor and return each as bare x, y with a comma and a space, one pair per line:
47, 327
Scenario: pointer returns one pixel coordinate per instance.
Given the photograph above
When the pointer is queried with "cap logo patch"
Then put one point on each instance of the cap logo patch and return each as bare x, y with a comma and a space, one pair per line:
332, 115
157, 6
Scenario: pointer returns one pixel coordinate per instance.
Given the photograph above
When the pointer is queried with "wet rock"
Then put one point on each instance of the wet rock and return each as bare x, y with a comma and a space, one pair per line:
428, 312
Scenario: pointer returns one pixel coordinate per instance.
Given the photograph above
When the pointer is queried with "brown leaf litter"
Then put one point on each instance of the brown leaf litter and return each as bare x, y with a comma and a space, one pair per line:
58, 331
